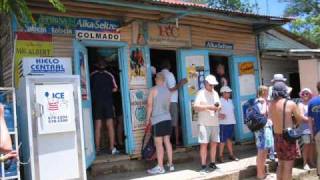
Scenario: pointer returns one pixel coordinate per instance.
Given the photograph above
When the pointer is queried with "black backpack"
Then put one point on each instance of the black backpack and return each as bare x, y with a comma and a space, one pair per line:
252, 115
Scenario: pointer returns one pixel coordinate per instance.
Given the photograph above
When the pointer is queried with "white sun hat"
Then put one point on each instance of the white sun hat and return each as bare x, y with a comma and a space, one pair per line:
278, 77
225, 89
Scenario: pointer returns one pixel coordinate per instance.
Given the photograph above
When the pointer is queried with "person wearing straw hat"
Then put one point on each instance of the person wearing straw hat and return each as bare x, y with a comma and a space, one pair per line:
103, 85
207, 104
227, 122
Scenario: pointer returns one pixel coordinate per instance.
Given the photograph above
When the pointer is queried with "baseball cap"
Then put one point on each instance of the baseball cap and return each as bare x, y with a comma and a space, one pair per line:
211, 79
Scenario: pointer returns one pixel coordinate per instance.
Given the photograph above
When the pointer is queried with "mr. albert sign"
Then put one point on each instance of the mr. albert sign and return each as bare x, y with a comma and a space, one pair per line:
169, 35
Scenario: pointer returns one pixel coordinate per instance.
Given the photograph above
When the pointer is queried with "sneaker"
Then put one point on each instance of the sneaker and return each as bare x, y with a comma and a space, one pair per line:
170, 167
233, 158
306, 167
156, 170
114, 151
204, 169
213, 166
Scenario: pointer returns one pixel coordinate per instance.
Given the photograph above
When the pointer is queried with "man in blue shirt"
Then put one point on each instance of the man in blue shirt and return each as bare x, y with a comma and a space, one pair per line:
314, 114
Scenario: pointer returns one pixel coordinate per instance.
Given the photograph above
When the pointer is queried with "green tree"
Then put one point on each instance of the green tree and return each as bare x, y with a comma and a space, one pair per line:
234, 5
307, 22
20, 10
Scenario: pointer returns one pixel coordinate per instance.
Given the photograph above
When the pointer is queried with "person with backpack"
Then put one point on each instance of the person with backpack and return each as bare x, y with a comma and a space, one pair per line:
264, 136
158, 115
281, 112
226, 124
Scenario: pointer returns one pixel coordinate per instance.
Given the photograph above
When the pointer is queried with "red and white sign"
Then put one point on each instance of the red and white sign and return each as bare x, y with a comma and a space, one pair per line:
57, 111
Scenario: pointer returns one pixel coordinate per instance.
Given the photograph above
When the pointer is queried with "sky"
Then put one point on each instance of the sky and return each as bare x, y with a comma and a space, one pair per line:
275, 8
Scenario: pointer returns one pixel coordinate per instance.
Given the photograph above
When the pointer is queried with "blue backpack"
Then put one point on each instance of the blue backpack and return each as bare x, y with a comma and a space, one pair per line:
252, 115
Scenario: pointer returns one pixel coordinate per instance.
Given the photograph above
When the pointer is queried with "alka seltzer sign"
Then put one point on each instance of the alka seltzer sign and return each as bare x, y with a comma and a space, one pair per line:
83, 28
219, 45
46, 66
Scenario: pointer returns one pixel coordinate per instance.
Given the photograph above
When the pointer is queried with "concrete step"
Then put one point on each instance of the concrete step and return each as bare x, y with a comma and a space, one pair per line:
110, 164
297, 174
243, 169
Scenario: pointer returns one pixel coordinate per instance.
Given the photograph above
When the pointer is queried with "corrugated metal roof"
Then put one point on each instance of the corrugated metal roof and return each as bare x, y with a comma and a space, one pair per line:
179, 3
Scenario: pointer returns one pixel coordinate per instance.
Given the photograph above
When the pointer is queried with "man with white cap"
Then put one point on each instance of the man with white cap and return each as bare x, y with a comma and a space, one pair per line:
227, 122
207, 104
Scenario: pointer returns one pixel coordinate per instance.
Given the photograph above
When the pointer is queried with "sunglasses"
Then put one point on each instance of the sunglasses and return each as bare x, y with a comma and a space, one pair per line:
305, 94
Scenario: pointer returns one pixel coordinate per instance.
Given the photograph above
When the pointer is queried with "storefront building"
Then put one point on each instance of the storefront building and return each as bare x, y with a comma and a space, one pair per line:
135, 36
280, 52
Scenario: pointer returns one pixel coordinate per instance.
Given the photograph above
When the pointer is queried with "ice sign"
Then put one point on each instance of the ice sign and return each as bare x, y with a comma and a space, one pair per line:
58, 95
58, 111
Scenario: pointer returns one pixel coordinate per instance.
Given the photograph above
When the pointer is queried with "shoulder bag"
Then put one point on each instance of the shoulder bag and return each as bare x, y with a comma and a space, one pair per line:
291, 135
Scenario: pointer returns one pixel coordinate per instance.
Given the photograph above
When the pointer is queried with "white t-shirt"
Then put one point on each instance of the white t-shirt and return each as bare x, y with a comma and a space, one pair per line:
207, 118
227, 108
170, 83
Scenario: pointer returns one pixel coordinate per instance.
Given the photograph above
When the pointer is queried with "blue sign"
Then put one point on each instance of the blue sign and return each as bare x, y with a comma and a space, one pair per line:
46, 65
68, 25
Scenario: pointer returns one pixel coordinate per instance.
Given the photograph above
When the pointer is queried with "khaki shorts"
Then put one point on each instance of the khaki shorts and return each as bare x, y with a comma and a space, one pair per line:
306, 139
208, 134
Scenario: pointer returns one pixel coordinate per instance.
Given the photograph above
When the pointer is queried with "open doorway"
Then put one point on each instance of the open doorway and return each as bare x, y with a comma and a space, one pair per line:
294, 83
106, 100
219, 67
158, 58
166, 59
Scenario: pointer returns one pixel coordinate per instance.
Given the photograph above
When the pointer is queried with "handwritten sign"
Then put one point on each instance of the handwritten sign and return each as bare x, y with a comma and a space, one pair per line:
246, 68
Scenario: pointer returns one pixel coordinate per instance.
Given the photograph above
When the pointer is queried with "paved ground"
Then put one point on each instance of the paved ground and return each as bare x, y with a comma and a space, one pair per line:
243, 169
190, 170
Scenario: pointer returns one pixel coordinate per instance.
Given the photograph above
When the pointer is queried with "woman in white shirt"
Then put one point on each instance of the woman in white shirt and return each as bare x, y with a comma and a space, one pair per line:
227, 122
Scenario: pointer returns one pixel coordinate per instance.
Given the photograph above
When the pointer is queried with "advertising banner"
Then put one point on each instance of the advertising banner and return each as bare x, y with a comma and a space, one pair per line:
55, 107
138, 69
67, 25
195, 73
46, 65
139, 107
30, 45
